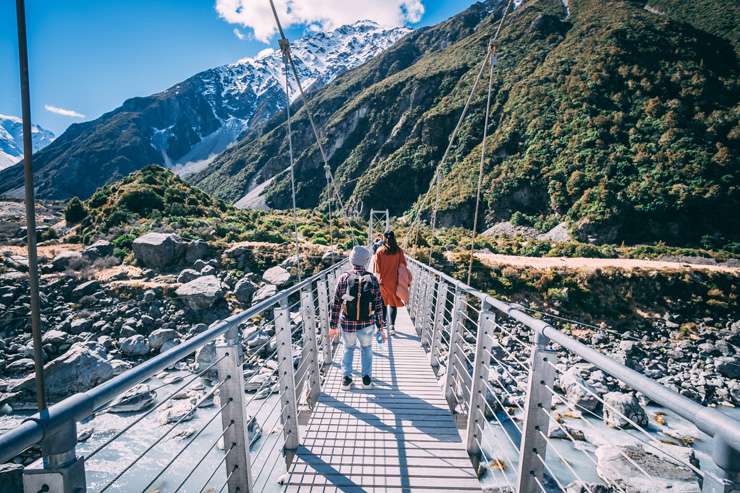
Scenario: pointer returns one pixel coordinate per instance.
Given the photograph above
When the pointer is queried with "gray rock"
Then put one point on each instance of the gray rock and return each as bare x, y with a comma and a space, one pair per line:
266, 291
664, 473
331, 257
54, 337
79, 325
577, 390
277, 276
187, 275
208, 270
728, 366
134, 346
136, 399
617, 405
85, 289
201, 293
160, 337
179, 410
68, 260
159, 250
99, 249
586, 487
81, 368
23, 365
510, 230
558, 233
244, 290
195, 250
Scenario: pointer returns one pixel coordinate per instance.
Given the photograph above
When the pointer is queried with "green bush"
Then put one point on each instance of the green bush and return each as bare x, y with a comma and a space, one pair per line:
74, 211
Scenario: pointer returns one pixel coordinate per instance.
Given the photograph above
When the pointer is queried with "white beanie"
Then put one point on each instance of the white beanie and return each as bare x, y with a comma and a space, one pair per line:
359, 256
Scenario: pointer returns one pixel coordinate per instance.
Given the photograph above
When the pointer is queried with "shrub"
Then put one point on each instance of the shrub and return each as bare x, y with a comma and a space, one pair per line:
75, 211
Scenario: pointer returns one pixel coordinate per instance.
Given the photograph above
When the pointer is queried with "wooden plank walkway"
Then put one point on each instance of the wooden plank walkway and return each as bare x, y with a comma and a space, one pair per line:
396, 437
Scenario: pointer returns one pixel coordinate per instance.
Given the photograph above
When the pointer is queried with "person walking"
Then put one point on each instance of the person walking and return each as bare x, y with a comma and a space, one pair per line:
390, 266
357, 309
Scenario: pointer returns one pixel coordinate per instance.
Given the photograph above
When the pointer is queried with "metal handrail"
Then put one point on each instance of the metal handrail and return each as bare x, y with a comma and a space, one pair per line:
724, 429
38, 427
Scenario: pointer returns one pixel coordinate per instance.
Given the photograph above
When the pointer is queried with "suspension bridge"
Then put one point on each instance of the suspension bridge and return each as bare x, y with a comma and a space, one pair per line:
467, 395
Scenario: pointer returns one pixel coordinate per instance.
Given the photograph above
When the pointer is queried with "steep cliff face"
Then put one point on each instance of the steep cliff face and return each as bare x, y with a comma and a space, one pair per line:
11, 139
187, 125
616, 119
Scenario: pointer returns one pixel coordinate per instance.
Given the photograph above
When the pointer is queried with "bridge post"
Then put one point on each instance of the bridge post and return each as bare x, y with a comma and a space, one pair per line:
414, 291
536, 419
455, 340
310, 348
727, 478
63, 471
439, 315
323, 295
233, 417
286, 380
424, 303
429, 311
476, 416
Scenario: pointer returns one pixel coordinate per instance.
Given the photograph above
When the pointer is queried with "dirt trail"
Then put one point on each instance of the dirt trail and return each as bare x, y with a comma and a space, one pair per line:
592, 264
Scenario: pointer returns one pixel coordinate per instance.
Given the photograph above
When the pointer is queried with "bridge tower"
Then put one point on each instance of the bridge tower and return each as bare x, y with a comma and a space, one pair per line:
379, 215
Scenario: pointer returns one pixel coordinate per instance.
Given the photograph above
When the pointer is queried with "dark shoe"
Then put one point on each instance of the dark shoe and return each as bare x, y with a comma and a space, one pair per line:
367, 382
346, 383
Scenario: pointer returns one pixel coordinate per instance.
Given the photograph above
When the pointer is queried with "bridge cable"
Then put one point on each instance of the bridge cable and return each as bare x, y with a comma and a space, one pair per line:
492, 65
285, 47
292, 167
437, 175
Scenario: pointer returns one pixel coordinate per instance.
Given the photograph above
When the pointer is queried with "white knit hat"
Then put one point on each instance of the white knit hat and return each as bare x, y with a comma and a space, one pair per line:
360, 256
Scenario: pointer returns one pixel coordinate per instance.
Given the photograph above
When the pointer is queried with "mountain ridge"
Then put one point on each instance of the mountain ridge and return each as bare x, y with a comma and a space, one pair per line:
11, 139
187, 124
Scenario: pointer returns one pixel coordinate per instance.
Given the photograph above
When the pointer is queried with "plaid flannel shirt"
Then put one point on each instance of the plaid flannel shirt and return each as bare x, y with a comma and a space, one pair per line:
337, 314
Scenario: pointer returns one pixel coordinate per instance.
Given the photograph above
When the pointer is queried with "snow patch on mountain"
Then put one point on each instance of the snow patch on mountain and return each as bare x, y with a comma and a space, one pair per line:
11, 139
238, 92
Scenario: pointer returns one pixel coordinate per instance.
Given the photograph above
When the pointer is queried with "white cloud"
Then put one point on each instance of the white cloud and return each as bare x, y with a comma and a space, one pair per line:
329, 14
63, 111
240, 35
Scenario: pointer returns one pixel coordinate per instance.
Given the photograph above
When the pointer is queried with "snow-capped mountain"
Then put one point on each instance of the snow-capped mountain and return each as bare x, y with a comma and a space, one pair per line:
11, 139
255, 87
187, 125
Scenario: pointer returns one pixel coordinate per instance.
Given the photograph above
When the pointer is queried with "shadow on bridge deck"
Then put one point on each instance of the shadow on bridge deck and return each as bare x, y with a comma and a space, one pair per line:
398, 436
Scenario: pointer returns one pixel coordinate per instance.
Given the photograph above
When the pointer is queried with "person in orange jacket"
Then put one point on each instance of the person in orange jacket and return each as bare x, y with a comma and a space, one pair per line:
386, 264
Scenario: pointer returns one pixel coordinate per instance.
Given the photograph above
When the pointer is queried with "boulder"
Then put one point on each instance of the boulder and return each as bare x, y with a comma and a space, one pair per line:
180, 410
266, 291
136, 399
80, 325
136, 345
195, 250
187, 275
201, 293
244, 290
331, 257
159, 250
81, 368
55, 337
160, 337
277, 275
68, 260
85, 289
99, 249
580, 486
558, 233
618, 405
623, 466
728, 366
579, 393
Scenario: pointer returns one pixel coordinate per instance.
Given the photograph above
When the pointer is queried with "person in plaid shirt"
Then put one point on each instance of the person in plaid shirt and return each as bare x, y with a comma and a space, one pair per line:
358, 318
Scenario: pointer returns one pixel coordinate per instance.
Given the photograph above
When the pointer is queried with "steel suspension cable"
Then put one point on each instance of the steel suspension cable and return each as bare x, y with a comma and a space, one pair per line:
285, 47
491, 64
437, 175
292, 165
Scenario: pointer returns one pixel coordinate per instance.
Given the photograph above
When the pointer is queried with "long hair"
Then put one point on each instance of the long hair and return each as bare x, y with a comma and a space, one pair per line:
391, 245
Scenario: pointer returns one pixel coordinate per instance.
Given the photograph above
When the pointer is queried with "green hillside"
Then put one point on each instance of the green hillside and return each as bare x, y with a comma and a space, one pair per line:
620, 121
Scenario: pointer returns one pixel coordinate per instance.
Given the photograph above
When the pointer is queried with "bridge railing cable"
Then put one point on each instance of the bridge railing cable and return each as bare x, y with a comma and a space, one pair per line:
542, 411
156, 426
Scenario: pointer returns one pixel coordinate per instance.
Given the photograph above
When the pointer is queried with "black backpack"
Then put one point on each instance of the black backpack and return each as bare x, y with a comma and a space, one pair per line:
360, 289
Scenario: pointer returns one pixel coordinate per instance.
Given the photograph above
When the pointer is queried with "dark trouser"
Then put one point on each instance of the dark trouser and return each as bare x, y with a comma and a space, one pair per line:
393, 312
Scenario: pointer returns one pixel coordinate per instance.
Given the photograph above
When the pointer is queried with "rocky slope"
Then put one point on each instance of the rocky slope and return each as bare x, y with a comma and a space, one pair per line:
188, 124
612, 118
11, 139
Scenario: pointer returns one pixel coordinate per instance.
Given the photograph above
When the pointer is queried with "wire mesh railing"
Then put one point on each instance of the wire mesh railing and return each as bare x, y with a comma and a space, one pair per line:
218, 412
544, 412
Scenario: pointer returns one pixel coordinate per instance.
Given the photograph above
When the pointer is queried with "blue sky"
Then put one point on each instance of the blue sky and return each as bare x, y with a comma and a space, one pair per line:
88, 56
